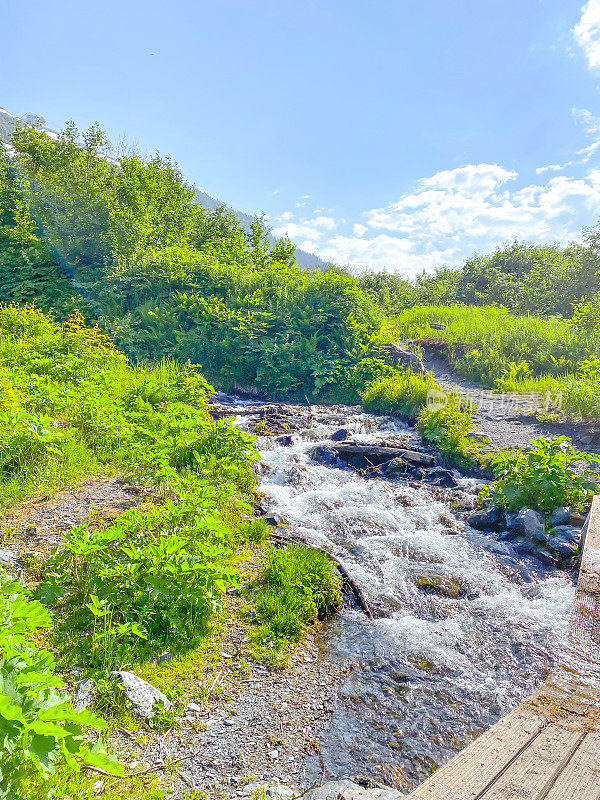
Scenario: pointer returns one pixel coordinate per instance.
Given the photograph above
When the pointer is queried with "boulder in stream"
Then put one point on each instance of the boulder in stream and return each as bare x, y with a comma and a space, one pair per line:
488, 519
339, 435
323, 454
440, 476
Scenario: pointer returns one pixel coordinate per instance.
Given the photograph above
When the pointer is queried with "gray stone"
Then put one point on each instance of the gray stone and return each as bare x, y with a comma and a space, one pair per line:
349, 790
565, 533
193, 707
532, 524
523, 546
323, 454
85, 691
396, 468
142, 695
441, 477
511, 521
559, 516
164, 657
562, 549
486, 520
545, 557
7, 557
339, 436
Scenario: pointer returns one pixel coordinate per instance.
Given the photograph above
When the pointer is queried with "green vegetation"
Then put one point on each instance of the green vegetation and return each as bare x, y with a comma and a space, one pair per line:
403, 393
543, 478
299, 584
501, 351
120, 593
127, 242
41, 733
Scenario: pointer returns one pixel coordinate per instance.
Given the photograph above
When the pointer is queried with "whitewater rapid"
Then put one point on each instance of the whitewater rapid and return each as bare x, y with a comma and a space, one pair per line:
434, 671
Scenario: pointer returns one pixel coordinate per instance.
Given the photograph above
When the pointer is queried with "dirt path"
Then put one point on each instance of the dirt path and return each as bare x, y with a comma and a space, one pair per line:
37, 525
507, 419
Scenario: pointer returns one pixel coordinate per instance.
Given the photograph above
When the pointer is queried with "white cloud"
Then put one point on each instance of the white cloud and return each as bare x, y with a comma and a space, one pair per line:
451, 215
275, 191
550, 168
308, 229
587, 33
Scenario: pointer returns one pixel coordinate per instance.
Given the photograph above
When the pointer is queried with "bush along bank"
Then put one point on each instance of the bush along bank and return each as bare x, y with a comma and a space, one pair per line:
539, 501
116, 595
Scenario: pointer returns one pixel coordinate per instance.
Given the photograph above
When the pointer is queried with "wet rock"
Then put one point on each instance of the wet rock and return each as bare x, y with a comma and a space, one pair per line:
396, 468
441, 585
559, 516
506, 536
339, 436
349, 790
565, 533
563, 549
325, 455
284, 441
441, 477
530, 523
487, 519
84, 694
523, 546
144, 698
545, 557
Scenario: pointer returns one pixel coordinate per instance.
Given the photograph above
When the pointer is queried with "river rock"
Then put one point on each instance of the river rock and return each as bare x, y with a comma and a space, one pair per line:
563, 549
285, 440
339, 436
141, 694
323, 454
559, 516
85, 692
523, 545
348, 790
545, 557
441, 477
487, 519
440, 585
530, 523
396, 468
565, 533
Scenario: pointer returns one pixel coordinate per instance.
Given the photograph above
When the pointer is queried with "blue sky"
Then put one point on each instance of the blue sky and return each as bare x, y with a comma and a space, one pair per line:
380, 133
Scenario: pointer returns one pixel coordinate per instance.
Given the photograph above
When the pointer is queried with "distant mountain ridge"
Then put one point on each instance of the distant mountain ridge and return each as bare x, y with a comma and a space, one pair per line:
9, 121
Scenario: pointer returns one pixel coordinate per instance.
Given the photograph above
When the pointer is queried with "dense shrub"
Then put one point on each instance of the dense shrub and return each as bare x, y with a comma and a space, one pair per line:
542, 478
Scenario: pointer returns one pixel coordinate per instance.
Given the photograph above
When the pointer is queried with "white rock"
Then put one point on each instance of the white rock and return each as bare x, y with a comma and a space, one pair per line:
141, 694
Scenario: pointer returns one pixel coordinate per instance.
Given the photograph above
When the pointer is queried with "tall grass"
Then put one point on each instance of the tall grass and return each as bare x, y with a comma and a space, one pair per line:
510, 353
403, 393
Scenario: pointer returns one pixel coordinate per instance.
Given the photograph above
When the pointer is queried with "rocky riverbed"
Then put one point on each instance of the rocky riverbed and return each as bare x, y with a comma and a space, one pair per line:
465, 623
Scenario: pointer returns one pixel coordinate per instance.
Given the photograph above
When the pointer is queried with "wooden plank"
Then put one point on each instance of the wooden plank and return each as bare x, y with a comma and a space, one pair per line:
580, 779
536, 769
476, 767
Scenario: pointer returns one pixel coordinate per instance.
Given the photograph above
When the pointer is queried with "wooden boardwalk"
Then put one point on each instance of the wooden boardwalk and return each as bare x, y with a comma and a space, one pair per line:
548, 748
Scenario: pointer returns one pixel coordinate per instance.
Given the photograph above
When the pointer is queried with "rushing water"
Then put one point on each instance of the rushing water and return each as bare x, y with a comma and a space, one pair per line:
433, 671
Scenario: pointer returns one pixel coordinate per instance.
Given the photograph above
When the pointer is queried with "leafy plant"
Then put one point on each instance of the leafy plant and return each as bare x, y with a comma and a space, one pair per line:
543, 478
41, 732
